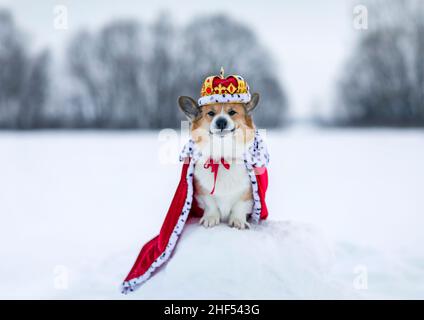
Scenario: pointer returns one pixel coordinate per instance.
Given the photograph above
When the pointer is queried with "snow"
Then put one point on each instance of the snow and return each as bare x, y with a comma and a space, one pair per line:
76, 208
271, 261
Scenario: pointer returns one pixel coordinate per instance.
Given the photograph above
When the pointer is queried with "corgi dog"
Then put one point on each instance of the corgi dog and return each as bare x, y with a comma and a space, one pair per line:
222, 132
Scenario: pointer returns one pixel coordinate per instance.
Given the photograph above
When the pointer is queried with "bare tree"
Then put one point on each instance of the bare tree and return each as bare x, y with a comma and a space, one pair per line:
111, 67
24, 81
35, 93
164, 74
14, 62
384, 78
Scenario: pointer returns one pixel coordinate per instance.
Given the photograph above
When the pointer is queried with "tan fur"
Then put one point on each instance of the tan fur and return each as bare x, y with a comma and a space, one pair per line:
245, 132
247, 195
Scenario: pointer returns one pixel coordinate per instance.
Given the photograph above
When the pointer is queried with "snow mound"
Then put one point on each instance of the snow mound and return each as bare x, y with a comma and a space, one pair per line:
273, 260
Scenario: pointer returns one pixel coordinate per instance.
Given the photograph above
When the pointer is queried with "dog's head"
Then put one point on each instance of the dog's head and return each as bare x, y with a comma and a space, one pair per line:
221, 129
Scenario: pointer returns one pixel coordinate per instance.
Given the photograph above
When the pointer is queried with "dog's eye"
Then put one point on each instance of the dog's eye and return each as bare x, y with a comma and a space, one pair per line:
232, 112
211, 113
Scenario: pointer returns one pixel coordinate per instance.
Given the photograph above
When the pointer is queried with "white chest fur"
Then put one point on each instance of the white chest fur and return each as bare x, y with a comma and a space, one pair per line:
231, 184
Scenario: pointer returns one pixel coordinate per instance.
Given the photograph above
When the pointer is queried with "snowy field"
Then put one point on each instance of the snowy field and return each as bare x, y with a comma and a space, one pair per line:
346, 219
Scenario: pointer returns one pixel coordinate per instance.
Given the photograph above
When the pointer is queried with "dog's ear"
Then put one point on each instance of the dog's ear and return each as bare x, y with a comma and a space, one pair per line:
252, 103
189, 107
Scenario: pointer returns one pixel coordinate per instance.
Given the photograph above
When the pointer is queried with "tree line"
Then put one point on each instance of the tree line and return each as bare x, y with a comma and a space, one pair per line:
383, 81
129, 75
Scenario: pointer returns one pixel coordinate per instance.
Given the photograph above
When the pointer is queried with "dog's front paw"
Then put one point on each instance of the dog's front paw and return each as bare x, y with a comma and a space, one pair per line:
210, 220
238, 222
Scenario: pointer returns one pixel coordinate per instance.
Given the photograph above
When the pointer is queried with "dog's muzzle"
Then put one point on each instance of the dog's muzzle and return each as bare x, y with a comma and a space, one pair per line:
222, 126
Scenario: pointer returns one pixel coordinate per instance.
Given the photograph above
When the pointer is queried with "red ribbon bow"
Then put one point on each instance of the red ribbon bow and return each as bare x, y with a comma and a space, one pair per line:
214, 169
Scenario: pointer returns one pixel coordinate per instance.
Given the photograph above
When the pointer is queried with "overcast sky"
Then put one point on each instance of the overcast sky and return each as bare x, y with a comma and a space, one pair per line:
309, 40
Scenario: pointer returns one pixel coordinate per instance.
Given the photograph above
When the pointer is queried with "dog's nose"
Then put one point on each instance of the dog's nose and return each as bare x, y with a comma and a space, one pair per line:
221, 123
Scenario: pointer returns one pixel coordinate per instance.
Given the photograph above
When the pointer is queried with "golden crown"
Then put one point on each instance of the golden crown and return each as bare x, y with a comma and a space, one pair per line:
221, 89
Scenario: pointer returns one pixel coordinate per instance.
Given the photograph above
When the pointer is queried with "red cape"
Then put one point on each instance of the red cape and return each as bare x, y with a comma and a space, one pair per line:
158, 250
